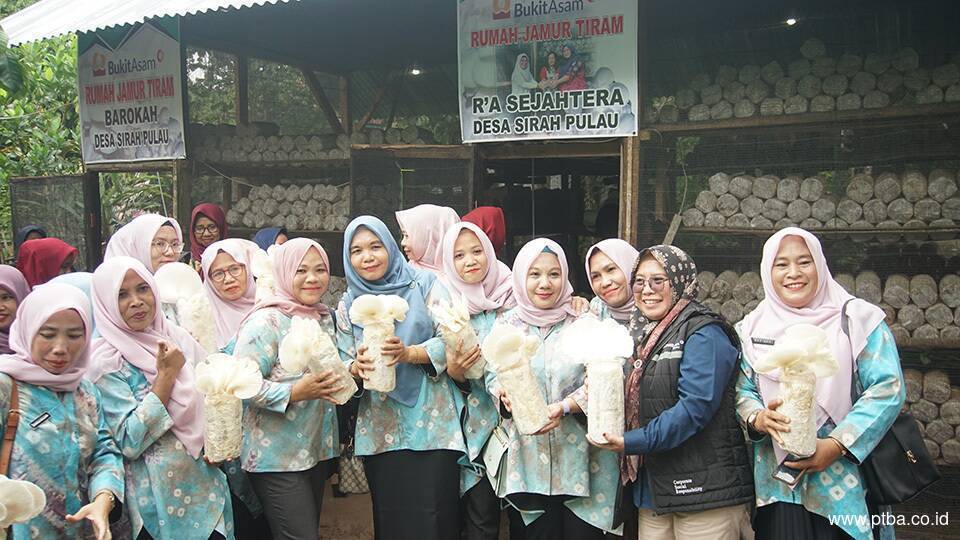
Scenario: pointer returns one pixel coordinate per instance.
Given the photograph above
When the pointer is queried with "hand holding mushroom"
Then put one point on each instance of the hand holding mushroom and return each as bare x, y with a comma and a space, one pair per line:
306, 347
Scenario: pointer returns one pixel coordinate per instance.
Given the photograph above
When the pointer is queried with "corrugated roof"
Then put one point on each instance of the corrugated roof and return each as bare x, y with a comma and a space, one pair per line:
49, 18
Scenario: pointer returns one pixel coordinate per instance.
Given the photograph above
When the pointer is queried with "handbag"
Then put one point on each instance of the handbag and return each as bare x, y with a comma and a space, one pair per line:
350, 473
494, 457
899, 467
10, 433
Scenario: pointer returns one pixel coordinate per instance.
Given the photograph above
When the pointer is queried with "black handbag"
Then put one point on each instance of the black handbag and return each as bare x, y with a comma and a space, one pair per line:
899, 467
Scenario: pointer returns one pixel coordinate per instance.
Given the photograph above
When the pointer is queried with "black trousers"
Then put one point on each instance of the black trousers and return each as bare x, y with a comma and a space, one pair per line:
787, 521
416, 495
292, 501
557, 523
481, 512
245, 526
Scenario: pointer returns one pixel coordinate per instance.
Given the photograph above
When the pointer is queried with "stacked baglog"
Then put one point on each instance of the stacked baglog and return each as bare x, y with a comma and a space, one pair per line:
917, 307
261, 143
813, 83
312, 207
911, 202
936, 407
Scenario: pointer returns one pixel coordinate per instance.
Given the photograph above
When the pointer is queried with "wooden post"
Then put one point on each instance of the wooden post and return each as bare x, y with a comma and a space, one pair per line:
182, 205
242, 104
629, 189
345, 104
321, 98
92, 219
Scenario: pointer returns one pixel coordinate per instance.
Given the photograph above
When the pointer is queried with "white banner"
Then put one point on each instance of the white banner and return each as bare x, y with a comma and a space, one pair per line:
131, 104
543, 69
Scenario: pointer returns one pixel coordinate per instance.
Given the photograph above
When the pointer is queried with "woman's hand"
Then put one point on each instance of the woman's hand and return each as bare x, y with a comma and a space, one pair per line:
614, 443
580, 304
316, 386
555, 413
97, 513
396, 350
459, 361
501, 395
828, 451
170, 360
772, 423
362, 365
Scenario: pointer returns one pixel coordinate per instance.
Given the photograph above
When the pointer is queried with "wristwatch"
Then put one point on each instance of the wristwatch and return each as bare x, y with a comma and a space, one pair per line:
752, 419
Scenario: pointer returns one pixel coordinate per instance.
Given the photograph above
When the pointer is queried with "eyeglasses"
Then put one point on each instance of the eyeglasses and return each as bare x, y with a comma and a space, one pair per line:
161, 246
208, 229
234, 270
656, 284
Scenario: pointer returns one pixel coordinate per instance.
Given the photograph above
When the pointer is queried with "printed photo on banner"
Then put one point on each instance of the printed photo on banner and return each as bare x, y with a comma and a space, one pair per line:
539, 69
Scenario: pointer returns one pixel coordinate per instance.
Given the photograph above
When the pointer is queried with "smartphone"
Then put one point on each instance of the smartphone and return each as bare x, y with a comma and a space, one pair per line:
788, 475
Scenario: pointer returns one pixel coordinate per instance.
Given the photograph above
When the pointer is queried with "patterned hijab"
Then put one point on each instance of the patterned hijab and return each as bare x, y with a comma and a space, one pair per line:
681, 272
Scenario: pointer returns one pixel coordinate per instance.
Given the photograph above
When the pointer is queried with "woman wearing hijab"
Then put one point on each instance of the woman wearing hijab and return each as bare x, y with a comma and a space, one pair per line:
152, 239
229, 286
141, 365
609, 266
423, 227
572, 72
800, 289
563, 488
44, 259
490, 219
84, 282
522, 81
208, 224
290, 434
30, 232
483, 283
63, 444
411, 437
13, 289
270, 236
685, 454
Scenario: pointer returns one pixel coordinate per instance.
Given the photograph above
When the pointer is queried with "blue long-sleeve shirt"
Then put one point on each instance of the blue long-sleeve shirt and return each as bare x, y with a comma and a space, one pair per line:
706, 366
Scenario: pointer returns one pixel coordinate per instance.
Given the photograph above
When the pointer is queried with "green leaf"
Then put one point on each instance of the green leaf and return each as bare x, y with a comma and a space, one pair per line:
11, 73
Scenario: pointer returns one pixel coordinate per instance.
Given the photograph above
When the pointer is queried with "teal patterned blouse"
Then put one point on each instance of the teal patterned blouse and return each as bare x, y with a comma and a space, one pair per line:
481, 414
168, 492
280, 436
560, 462
70, 455
383, 424
838, 489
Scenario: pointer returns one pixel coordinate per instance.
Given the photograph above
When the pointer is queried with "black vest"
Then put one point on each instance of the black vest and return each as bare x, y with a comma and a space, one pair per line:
712, 469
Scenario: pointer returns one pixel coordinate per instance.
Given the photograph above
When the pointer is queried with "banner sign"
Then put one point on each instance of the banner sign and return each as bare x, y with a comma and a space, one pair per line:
545, 69
131, 100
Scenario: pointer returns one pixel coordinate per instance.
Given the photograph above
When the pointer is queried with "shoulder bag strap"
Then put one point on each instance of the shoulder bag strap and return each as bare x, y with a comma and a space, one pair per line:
13, 420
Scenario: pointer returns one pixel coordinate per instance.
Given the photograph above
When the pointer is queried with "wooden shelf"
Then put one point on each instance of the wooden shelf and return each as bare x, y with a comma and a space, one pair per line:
847, 231
863, 116
247, 232
928, 344
306, 169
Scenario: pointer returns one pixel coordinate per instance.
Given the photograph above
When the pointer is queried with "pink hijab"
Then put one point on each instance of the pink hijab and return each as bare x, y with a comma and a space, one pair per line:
33, 313
286, 260
773, 316
495, 292
425, 225
12, 281
118, 344
528, 312
134, 238
229, 315
625, 257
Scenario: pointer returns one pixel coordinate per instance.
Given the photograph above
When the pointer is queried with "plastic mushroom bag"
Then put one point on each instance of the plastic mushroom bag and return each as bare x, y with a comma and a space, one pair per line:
306, 347
508, 352
180, 286
377, 315
454, 320
602, 346
224, 381
802, 355
20, 501
261, 264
